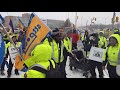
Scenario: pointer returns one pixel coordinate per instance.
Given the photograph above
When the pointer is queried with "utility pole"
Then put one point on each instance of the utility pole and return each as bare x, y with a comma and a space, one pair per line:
113, 21
68, 18
76, 17
86, 24
68, 15
81, 21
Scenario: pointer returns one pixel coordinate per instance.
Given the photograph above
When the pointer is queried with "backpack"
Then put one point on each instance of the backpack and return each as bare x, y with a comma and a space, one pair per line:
51, 73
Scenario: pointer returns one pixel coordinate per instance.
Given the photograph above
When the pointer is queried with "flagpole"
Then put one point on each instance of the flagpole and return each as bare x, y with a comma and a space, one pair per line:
11, 40
8, 23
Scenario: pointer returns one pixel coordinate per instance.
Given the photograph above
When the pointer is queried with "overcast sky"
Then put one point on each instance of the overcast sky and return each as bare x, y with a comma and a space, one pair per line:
83, 17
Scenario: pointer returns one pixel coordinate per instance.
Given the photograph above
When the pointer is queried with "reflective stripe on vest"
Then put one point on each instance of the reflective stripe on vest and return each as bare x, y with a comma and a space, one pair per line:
62, 46
53, 57
53, 51
100, 42
66, 42
113, 62
38, 65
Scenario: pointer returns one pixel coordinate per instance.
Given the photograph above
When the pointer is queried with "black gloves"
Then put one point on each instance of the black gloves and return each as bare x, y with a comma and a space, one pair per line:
104, 63
25, 65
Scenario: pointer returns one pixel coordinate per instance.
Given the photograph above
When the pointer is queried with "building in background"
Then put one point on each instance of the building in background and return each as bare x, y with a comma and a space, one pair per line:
25, 19
55, 23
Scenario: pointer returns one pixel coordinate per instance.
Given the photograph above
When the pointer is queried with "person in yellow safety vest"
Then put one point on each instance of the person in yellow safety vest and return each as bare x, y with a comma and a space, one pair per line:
56, 42
67, 43
11, 63
5, 38
102, 40
66, 40
82, 37
111, 55
67, 48
95, 64
39, 56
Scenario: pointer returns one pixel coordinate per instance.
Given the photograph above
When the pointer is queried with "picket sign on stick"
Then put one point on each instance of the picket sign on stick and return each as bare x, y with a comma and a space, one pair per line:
11, 40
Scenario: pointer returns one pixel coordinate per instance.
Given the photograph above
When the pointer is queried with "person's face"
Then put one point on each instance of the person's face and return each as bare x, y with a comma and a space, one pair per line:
14, 39
101, 34
94, 38
7, 29
112, 41
58, 37
63, 35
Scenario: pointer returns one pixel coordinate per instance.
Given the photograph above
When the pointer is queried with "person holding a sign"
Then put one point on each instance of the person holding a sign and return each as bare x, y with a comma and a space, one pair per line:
12, 52
94, 43
112, 55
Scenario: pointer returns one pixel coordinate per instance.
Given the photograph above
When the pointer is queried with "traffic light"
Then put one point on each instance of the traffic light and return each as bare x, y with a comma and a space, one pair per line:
117, 19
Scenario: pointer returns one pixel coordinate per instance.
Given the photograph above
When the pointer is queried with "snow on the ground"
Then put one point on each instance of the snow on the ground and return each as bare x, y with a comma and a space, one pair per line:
79, 73
13, 74
73, 73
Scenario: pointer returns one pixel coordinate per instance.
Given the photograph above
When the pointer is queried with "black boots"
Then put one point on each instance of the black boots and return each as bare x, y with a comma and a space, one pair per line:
2, 73
16, 72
